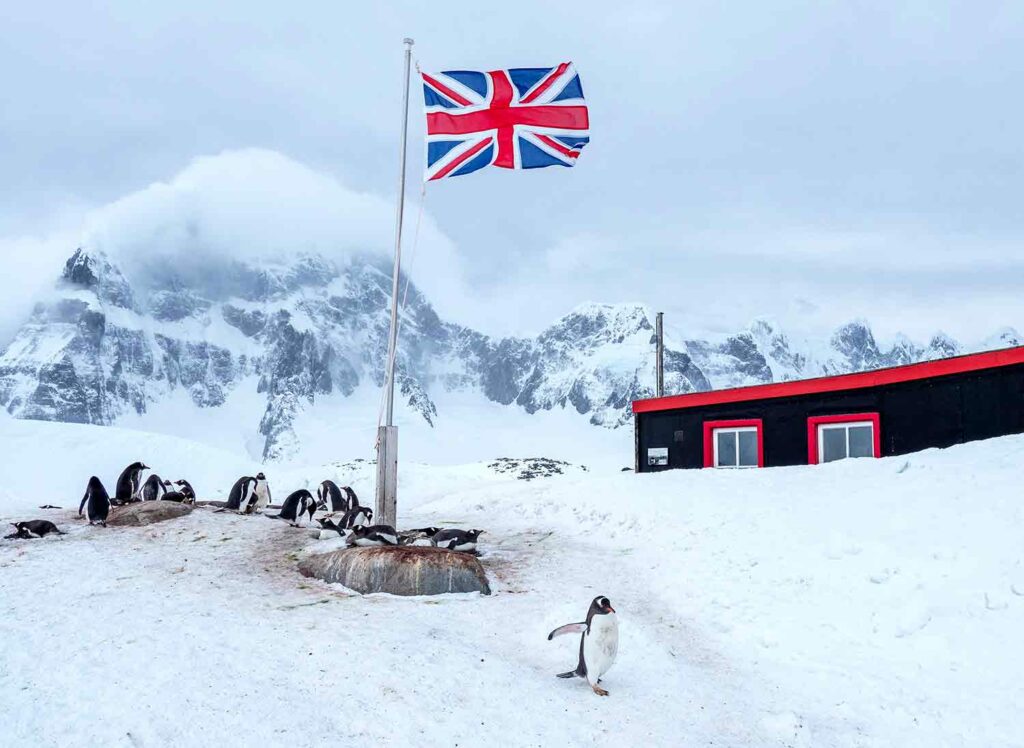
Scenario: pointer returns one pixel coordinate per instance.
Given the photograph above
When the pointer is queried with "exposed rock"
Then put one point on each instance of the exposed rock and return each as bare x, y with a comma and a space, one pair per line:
146, 513
529, 468
399, 570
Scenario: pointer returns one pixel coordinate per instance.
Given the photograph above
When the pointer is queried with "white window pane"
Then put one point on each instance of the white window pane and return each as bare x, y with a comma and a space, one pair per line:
861, 441
726, 448
748, 448
833, 444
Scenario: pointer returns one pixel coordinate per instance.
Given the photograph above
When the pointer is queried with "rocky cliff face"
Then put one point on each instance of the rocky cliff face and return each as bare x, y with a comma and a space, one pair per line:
104, 346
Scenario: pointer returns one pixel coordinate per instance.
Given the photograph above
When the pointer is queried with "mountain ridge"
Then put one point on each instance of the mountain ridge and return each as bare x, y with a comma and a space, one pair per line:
105, 346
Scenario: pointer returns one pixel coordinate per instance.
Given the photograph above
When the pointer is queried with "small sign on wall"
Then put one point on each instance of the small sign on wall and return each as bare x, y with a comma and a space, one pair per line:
657, 456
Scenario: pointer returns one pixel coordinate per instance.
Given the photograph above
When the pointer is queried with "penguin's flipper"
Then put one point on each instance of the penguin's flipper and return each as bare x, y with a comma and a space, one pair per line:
82, 505
569, 628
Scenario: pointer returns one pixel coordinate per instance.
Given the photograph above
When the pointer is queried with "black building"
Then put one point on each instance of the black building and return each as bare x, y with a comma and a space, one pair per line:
869, 414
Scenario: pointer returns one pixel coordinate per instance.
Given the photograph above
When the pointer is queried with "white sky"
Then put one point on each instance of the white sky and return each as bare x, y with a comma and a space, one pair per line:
804, 161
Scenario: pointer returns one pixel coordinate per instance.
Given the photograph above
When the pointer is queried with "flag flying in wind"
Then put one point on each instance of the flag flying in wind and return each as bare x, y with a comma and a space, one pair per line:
518, 118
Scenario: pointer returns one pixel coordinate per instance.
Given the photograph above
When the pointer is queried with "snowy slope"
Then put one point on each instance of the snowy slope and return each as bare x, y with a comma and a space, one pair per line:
866, 603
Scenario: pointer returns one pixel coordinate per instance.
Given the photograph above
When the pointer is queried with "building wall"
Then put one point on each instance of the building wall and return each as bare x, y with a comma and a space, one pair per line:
935, 412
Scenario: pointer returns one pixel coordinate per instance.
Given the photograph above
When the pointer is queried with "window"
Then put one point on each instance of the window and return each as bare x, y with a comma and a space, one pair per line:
831, 438
733, 444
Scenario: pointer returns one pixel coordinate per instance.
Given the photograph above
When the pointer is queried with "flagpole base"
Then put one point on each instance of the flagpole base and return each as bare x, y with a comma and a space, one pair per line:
385, 505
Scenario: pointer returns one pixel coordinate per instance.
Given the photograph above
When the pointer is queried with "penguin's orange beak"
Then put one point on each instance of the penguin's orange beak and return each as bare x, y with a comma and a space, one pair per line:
611, 609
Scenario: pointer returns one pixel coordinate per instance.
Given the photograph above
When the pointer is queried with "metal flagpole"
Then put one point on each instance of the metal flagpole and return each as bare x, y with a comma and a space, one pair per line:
385, 507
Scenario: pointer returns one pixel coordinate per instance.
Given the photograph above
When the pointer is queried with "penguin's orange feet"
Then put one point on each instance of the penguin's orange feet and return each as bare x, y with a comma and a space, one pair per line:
598, 690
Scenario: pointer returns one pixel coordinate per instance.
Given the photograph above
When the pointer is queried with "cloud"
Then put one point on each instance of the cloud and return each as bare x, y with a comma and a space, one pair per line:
249, 205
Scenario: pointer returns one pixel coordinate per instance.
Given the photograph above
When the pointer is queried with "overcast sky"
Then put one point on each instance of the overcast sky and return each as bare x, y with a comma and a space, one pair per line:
811, 162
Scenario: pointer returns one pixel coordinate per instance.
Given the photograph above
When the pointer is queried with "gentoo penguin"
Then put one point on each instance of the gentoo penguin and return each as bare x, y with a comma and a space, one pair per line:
419, 536
328, 528
129, 483
186, 490
154, 488
96, 502
374, 535
353, 500
176, 496
243, 498
34, 528
599, 643
330, 498
242, 489
297, 507
456, 540
262, 491
361, 515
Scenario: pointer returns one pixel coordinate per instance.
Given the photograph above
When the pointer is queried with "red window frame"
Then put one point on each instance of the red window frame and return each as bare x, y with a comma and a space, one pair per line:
709, 438
814, 421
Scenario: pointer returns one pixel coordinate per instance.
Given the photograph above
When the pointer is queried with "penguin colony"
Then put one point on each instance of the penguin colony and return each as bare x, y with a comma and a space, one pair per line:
344, 517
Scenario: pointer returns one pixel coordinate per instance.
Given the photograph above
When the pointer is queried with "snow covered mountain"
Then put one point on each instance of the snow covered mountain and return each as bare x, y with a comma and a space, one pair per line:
105, 347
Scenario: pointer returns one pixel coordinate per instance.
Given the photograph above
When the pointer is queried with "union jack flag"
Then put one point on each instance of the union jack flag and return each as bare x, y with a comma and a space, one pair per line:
517, 118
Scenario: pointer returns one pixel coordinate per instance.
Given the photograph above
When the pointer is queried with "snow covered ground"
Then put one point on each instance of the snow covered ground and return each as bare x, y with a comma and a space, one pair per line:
866, 603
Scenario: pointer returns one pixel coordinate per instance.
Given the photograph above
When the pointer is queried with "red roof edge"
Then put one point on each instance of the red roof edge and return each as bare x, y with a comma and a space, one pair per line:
892, 375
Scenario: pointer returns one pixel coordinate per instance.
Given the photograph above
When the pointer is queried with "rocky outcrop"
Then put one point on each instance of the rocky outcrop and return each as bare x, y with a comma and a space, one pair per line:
399, 570
146, 513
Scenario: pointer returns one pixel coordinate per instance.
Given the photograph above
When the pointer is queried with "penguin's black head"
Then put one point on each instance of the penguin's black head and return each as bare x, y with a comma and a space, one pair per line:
139, 466
603, 605
260, 476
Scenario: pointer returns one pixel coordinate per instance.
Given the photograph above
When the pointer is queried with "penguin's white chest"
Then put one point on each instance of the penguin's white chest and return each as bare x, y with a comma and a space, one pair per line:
601, 645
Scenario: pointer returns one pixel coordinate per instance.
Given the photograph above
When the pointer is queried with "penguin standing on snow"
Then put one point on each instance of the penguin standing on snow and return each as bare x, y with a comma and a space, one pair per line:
154, 488
241, 493
129, 483
353, 500
374, 535
330, 498
297, 506
457, 540
599, 643
262, 491
96, 502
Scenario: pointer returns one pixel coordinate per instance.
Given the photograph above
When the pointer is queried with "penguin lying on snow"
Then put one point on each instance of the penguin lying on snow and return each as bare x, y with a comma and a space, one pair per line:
374, 535
420, 536
33, 528
328, 529
330, 498
184, 494
96, 502
299, 504
599, 643
186, 490
128, 484
154, 488
456, 540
